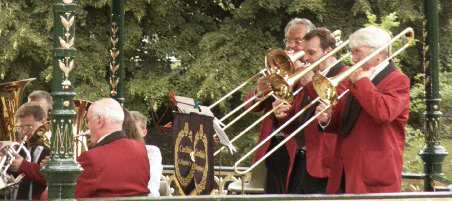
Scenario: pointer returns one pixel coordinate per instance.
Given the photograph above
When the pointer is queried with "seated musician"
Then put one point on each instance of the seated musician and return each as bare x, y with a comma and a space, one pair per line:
154, 155
370, 120
30, 117
116, 166
134, 127
42, 98
279, 164
314, 148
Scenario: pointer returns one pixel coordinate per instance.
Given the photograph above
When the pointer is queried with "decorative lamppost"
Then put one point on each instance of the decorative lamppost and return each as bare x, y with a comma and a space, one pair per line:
433, 154
117, 68
62, 171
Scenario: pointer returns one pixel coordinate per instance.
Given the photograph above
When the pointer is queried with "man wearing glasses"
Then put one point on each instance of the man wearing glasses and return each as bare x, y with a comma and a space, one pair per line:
30, 117
279, 164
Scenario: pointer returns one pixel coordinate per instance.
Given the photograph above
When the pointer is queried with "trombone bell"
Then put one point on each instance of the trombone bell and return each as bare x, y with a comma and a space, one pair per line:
324, 88
281, 87
279, 60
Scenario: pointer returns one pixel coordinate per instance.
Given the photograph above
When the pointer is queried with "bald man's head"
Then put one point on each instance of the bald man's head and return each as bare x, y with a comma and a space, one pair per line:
104, 117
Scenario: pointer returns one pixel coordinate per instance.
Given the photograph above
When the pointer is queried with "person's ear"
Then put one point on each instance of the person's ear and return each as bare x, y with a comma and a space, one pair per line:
100, 121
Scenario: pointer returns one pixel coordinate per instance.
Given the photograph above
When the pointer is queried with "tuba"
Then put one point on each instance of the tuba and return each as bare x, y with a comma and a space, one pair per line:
10, 98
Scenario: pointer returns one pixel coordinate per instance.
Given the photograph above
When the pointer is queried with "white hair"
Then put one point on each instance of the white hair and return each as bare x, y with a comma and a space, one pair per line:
295, 21
372, 37
109, 109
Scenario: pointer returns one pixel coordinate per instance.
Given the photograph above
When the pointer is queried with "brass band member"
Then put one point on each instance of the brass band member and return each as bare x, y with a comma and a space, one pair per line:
42, 98
370, 121
116, 166
279, 164
30, 116
314, 148
154, 154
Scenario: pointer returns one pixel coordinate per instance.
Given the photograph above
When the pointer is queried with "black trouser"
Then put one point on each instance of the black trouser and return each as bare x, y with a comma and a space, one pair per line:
303, 183
342, 186
277, 167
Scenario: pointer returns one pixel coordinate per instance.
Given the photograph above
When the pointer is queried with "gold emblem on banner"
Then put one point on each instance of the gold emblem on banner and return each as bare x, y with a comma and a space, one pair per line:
201, 164
182, 156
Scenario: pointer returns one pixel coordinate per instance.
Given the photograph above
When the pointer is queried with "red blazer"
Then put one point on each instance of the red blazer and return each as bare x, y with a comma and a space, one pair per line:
320, 145
266, 130
32, 172
371, 154
115, 167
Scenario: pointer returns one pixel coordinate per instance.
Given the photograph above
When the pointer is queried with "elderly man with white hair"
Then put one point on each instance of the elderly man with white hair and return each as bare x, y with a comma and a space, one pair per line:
370, 121
116, 166
279, 165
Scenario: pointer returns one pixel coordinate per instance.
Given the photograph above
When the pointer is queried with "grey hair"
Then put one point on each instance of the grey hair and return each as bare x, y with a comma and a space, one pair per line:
372, 37
109, 109
295, 21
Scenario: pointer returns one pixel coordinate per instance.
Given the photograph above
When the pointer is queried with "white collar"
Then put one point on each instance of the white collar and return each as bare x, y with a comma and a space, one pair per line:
378, 69
103, 137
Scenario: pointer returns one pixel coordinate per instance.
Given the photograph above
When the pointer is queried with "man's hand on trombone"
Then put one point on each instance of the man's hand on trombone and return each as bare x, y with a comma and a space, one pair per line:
282, 111
325, 117
361, 73
263, 87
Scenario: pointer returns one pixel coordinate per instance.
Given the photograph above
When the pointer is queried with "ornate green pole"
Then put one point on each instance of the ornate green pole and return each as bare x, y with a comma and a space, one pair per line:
62, 171
117, 68
433, 154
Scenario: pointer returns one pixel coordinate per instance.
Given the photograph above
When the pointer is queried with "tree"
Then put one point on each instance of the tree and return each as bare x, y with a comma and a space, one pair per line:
200, 49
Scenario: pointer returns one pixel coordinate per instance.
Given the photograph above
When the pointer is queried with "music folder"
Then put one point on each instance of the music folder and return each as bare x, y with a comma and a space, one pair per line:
188, 105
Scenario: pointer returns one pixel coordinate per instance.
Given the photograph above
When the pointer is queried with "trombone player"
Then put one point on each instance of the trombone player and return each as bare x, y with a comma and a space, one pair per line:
314, 148
280, 163
370, 120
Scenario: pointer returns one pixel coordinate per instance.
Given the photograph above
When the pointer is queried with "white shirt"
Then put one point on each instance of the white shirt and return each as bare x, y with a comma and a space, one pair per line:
380, 67
155, 169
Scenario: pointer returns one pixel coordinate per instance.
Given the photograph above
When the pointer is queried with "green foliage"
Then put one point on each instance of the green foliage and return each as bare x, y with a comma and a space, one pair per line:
203, 49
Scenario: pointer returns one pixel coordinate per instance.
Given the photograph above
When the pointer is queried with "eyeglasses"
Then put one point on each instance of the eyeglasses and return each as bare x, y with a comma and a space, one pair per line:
23, 127
297, 42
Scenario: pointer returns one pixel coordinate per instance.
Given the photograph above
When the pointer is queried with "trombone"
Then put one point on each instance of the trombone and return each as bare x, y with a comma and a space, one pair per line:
282, 89
326, 90
275, 60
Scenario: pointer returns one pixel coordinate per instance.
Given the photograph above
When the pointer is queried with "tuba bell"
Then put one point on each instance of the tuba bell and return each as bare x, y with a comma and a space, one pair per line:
81, 136
10, 98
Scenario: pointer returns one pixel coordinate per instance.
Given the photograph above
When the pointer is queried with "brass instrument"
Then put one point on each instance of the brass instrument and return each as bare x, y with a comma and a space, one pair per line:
81, 137
10, 99
283, 77
8, 151
39, 137
274, 62
326, 90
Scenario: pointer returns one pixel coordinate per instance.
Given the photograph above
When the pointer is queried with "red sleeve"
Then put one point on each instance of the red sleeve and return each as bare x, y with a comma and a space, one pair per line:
32, 172
258, 108
383, 105
87, 181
